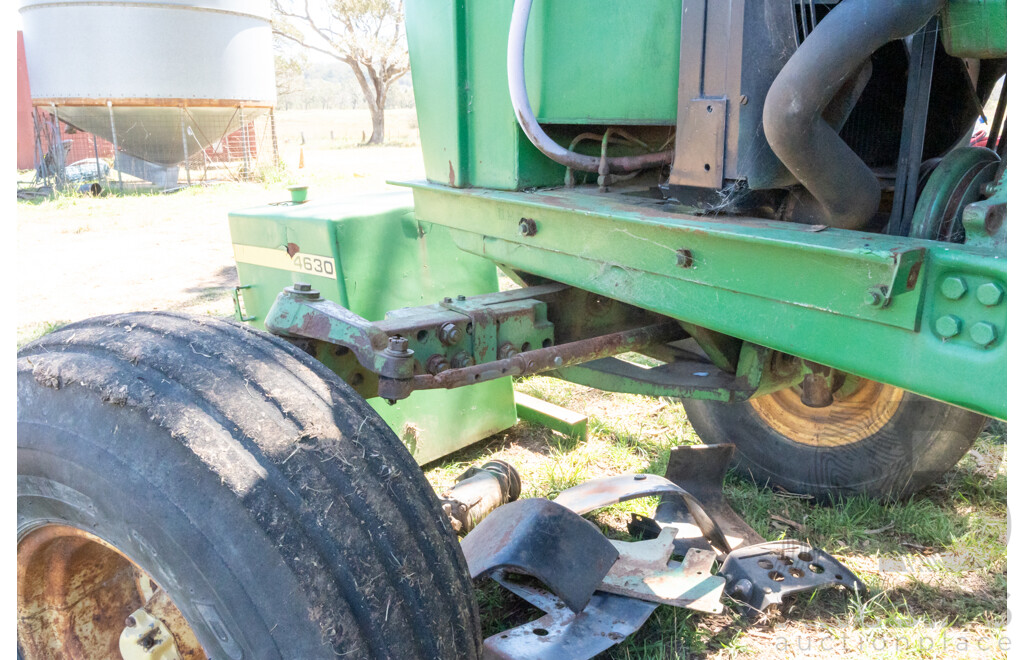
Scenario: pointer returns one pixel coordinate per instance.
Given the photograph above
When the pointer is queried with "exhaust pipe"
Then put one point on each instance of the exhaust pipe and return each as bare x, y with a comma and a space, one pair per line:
833, 54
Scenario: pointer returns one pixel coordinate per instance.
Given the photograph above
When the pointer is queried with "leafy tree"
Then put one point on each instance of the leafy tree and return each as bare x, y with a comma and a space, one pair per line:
368, 35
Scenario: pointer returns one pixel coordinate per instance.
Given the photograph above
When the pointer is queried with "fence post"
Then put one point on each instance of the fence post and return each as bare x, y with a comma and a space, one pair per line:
184, 147
113, 135
273, 137
96, 153
245, 142
60, 173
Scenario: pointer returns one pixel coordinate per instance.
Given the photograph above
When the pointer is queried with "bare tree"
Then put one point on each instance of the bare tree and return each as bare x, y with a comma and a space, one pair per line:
368, 35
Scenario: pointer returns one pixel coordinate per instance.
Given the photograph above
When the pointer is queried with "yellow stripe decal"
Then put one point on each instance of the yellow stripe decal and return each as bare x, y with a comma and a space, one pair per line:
309, 264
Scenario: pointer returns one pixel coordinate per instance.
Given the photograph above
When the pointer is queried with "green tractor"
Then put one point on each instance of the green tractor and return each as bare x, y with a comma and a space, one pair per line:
775, 201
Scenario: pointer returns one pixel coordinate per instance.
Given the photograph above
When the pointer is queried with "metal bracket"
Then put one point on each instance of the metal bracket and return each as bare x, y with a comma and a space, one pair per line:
646, 570
761, 575
560, 635
611, 490
546, 540
235, 295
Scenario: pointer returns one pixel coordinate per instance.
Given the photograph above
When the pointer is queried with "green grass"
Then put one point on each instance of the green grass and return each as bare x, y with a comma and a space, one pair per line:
935, 565
34, 331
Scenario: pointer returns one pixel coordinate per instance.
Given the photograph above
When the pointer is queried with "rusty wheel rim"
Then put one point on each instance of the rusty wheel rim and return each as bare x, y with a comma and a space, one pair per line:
76, 591
857, 412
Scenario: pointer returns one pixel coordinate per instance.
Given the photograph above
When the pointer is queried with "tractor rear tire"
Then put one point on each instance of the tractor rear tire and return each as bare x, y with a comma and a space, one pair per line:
274, 507
876, 440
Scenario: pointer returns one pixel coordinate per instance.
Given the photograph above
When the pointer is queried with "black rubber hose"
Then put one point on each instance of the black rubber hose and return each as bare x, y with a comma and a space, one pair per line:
812, 150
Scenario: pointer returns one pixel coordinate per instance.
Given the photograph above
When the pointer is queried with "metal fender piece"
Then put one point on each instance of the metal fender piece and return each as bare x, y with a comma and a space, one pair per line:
546, 540
645, 570
700, 470
611, 490
559, 635
760, 575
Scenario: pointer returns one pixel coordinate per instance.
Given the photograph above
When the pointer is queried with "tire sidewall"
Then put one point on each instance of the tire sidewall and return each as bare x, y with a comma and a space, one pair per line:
922, 440
166, 525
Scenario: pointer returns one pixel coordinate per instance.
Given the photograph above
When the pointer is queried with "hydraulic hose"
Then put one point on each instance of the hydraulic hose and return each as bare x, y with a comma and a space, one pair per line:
528, 121
834, 52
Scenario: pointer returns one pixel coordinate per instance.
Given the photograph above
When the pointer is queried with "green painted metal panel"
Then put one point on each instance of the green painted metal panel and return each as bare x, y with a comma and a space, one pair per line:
784, 286
974, 28
384, 259
468, 129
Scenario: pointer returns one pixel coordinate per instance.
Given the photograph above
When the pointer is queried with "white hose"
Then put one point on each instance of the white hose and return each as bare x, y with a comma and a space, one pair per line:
528, 121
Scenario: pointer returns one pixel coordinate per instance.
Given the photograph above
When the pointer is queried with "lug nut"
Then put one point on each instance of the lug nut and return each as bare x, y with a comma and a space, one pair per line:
954, 288
449, 334
983, 333
989, 294
948, 326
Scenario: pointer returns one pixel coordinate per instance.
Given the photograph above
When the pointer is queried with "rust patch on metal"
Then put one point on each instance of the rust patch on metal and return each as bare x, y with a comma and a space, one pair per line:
912, 276
292, 249
74, 593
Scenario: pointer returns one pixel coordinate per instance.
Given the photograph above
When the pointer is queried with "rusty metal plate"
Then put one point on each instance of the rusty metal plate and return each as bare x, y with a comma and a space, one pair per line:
700, 470
611, 490
700, 146
646, 570
560, 635
546, 540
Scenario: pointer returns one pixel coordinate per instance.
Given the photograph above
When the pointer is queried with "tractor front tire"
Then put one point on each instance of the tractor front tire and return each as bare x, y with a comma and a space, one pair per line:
874, 440
238, 476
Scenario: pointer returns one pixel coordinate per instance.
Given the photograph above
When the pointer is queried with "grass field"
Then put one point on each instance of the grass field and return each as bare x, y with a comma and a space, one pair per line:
935, 565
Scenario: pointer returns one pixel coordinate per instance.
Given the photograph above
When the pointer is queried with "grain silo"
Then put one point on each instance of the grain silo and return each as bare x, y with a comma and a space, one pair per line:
164, 80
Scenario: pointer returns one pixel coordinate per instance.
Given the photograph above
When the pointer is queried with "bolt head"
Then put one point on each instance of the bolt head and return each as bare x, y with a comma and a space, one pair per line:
954, 288
983, 333
990, 294
948, 326
875, 297
527, 226
460, 297
398, 344
302, 286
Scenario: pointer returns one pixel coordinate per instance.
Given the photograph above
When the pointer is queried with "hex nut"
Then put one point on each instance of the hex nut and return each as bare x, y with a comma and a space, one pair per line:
948, 326
875, 296
954, 288
461, 360
449, 334
528, 227
989, 294
398, 344
506, 351
437, 363
983, 333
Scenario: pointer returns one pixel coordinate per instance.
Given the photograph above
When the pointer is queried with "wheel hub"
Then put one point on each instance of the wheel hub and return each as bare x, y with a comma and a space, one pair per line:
76, 592
858, 410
